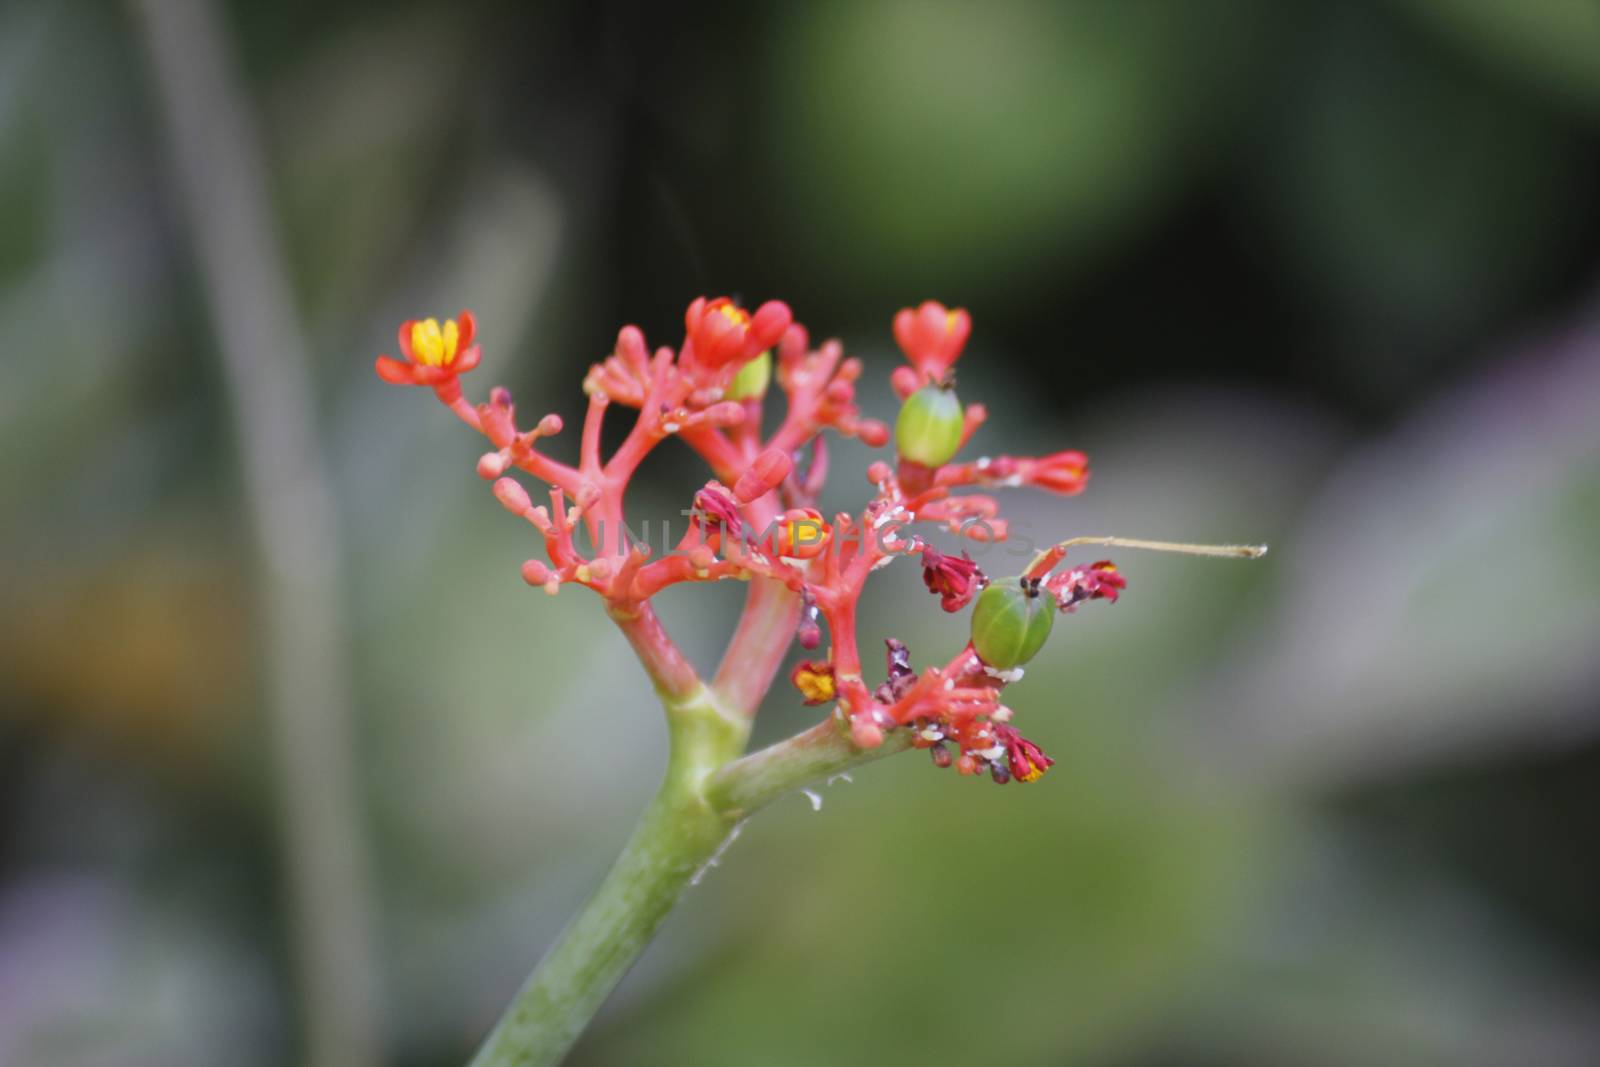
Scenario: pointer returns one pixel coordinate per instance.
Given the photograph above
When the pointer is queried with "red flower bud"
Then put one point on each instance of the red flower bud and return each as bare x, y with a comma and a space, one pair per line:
764, 475
512, 496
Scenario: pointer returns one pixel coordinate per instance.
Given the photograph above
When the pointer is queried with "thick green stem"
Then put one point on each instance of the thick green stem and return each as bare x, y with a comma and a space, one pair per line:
679, 833
707, 792
750, 783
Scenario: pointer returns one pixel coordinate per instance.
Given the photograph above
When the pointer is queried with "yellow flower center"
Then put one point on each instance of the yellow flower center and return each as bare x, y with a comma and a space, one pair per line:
817, 687
432, 345
735, 314
1035, 772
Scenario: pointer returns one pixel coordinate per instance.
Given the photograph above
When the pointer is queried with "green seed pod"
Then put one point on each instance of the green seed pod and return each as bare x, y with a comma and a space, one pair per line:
928, 430
752, 380
1011, 621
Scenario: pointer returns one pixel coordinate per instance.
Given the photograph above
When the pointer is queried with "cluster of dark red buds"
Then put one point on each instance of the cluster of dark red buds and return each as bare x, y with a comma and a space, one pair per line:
757, 520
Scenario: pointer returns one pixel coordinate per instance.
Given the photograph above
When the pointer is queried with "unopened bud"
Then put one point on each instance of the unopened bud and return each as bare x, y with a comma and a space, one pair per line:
873, 434
493, 464
865, 734
764, 475
512, 496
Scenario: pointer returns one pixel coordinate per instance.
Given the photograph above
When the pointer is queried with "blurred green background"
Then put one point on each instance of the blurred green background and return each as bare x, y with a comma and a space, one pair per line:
1319, 273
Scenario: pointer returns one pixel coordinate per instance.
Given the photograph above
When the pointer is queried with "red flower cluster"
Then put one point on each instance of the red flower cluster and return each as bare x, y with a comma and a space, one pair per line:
757, 520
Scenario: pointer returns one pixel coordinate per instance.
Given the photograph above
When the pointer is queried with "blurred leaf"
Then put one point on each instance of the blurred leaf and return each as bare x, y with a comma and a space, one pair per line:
923, 918
1443, 594
1551, 44
1418, 202
94, 975
362, 141
165, 628
961, 147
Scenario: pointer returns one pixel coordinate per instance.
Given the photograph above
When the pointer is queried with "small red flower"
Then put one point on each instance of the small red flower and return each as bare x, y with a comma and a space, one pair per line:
799, 533
932, 337
1027, 761
434, 354
721, 332
1087, 581
954, 579
713, 506
1059, 472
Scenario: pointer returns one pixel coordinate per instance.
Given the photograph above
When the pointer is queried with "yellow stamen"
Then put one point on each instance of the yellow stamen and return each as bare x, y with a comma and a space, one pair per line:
1035, 772
433, 346
817, 687
452, 340
804, 532
735, 314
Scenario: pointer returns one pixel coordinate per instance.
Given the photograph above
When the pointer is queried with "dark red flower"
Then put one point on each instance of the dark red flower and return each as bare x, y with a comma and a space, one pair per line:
954, 579
1027, 761
900, 675
713, 506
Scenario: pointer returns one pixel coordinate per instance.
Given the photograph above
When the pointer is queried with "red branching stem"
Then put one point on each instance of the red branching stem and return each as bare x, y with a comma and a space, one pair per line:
719, 453
760, 641
545, 469
589, 449
797, 567
450, 396
672, 675
840, 611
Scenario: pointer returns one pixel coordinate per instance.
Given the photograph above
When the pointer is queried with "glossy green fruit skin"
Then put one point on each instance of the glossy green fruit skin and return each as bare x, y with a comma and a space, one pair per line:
752, 380
1009, 626
928, 430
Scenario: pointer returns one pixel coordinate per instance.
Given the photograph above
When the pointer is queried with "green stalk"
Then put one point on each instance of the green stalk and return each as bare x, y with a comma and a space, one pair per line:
758, 779
707, 792
677, 835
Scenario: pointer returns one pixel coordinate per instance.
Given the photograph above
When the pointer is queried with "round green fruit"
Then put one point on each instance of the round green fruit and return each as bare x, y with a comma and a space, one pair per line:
928, 430
1010, 622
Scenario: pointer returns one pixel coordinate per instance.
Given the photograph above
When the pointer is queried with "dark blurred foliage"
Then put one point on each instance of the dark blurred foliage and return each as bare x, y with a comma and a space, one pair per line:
1321, 273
